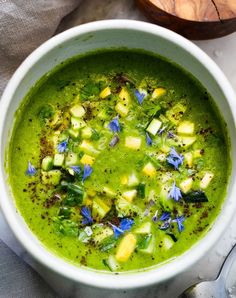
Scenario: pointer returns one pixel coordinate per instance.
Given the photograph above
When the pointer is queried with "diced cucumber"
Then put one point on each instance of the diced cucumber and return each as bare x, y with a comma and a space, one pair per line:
186, 185
121, 109
129, 195
151, 246
86, 132
74, 134
88, 148
52, 177
186, 141
77, 111
166, 202
154, 126
105, 92
100, 208
123, 206
206, 180
158, 92
109, 192
103, 115
112, 263
58, 160
188, 158
145, 228
132, 180
72, 159
149, 170
185, 128
167, 242
47, 163
175, 114
87, 159
133, 142
126, 248
100, 233
77, 123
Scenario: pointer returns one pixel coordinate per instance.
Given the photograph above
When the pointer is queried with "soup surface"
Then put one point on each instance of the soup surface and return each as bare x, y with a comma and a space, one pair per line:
118, 161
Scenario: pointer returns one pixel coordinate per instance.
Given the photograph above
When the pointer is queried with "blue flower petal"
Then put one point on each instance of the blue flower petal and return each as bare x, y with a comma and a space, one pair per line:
179, 220
160, 131
117, 231
114, 125
175, 159
165, 216
76, 169
61, 148
126, 224
165, 225
139, 96
175, 193
155, 217
87, 172
31, 171
148, 139
86, 213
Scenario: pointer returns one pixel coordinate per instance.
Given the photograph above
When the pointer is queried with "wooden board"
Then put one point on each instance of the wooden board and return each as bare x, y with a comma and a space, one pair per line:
194, 19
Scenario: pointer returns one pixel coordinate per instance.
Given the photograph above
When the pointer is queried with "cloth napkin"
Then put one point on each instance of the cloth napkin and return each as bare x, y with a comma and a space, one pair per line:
24, 25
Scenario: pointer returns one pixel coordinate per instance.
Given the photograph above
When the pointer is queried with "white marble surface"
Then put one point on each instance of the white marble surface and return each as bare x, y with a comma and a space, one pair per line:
223, 52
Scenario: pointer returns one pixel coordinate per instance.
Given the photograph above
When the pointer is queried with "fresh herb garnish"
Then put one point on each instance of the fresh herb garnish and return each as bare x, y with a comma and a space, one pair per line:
175, 193
31, 171
65, 227
87, 217
64, 212
46, 112
141, 190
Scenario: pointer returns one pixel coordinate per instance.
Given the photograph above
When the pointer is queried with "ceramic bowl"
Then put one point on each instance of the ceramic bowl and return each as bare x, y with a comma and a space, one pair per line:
107, 35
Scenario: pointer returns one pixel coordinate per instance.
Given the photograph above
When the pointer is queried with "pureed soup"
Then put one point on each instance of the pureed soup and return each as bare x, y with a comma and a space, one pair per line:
118, 161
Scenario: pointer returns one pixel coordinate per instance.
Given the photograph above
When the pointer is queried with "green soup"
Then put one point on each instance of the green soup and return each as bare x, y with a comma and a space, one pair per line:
118, 161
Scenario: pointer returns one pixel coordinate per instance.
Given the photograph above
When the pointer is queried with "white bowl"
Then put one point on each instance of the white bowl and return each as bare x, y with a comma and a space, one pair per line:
106, 35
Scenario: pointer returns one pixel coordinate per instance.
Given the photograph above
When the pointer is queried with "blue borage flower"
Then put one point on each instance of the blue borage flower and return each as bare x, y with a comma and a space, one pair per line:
175, 159
155, 217
140, 96
160, 131
61, 148
125, 225
170, 135
87, 172
179, 220
165, 216
148, 139
31, 171
175, 193
86, 213
76, 169
114, 125
165, 225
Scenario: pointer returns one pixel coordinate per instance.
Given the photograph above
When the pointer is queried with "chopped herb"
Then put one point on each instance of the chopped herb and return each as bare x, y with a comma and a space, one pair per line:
87, 172
108, 243
114, 125
65, 227
141, 190
46, 112
148, 139
198, 196
95, 135
64, 212
61, 148
86, 213
144, 242
31, 171
139, 96
91, 89
175, 193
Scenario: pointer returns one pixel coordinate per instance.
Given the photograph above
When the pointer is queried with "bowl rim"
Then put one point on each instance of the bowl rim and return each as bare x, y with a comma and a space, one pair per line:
55, 263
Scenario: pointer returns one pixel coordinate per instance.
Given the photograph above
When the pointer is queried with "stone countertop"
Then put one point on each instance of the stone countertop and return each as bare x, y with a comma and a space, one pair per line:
223, 52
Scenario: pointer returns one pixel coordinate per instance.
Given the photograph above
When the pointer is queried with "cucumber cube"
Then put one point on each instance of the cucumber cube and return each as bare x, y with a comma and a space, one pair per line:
206, 180
86, 132
154, 126
52, 177
100, 208
58, 160
158, 92
149, 170
72, 159
145, 228
132, 180
77, 123
185, 128
47, 163
77, 111
121, 109
88, 148
175, 114
126, 248
74, 134
151, 246
167, 242
108, 192
186, 141
100, 233
105, 92
112, 263
186, 185
129, 195
133, 142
